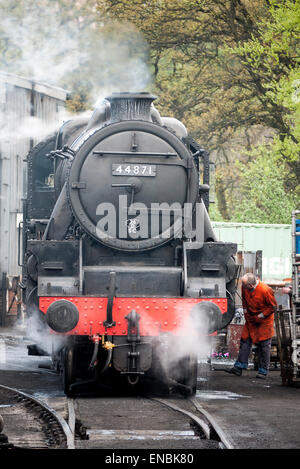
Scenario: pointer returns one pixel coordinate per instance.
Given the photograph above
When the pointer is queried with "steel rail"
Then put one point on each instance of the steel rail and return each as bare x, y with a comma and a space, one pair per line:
69, 437
208, 424
225, 440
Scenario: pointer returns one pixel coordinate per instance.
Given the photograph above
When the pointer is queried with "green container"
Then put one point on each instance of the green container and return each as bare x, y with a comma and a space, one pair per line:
274, 241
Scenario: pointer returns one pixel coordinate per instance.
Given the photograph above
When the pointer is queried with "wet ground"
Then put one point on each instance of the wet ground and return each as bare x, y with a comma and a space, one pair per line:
254, 414
30, 374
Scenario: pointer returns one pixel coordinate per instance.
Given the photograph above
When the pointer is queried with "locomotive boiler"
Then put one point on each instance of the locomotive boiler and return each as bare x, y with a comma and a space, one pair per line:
121, 264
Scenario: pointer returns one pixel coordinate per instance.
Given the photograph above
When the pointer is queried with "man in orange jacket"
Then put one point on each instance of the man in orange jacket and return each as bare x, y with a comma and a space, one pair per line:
259, 306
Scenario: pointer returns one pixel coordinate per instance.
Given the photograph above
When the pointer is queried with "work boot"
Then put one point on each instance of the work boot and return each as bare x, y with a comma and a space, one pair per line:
261, 376
235, 371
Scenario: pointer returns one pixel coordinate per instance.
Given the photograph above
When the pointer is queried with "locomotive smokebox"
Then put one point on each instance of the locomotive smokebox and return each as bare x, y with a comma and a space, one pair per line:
130, 106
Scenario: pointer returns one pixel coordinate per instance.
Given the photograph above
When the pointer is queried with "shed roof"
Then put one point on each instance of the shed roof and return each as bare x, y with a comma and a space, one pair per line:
30, 84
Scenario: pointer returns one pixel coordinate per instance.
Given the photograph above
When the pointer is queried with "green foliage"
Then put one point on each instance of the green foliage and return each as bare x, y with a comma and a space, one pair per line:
263, 194
214, 213
272, 57
271, 184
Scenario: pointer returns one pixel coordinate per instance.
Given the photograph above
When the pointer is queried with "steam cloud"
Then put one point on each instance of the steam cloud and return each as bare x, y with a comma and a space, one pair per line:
191, 340
46, 43
65, 44
39, 332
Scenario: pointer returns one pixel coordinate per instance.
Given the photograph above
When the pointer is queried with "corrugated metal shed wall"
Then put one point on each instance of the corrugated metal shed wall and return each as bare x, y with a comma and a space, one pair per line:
19, 98
274, 241
15, 106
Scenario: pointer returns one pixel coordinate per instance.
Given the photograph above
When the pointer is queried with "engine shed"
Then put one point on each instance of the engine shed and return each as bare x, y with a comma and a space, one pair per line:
28, 108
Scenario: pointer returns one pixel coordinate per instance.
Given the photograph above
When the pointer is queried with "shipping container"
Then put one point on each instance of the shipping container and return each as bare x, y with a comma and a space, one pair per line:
274, 241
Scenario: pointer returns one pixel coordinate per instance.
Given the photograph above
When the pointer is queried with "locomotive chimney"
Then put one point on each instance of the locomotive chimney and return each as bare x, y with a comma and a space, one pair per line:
130, 106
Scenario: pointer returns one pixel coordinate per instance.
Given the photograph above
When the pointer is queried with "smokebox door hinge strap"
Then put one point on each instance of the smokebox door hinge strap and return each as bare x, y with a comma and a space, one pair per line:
111, 294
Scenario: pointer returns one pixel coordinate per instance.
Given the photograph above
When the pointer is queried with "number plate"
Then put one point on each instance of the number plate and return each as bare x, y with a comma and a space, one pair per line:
134, 170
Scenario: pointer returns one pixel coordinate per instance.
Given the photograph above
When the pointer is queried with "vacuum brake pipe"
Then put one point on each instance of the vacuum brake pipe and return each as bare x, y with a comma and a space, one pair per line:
94, 363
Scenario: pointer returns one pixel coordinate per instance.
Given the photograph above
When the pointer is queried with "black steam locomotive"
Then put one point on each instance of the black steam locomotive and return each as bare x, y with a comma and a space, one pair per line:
121, 264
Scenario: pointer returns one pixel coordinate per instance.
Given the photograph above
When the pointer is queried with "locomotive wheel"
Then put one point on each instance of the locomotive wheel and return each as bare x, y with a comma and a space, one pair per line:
187, 367
190, 378
68, 369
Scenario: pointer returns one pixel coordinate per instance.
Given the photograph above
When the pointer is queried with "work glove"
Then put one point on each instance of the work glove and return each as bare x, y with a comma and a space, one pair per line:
259, 318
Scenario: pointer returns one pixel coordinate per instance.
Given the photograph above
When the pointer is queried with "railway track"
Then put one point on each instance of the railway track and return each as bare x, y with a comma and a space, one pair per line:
55, 421
123, 423
144, 423
205, 421
31, 423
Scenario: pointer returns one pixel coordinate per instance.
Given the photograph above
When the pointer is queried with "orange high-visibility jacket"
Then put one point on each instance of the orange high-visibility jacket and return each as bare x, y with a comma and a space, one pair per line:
260, 300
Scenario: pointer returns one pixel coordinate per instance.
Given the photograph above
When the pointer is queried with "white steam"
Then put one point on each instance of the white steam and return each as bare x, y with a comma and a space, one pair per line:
190, 340
39, 332
39, 47
15, 128
66, 44
61, 44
